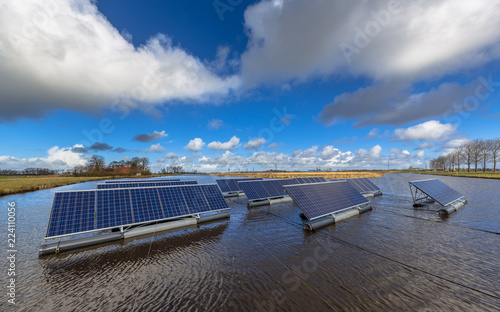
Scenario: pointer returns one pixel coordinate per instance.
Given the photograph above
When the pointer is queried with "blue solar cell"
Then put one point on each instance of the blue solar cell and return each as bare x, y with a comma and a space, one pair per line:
72, 212
141, 180
172, 202
321, 199
214, 197
143, 184
146, 204
195, 199
114, 208
224, 187
437, 190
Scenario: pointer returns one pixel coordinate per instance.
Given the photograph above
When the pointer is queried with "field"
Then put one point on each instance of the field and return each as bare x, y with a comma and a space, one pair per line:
483, 175
22, 184
326, 175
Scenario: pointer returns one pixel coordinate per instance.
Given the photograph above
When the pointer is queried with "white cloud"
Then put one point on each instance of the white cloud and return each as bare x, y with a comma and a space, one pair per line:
195, 145
146, 137
303, 39
227, 146
64, 54
432, 130
215, 124
57, 158
255, 144
156, 148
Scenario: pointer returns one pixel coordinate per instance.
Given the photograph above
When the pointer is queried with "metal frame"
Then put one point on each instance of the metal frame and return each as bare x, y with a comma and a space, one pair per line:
425, 195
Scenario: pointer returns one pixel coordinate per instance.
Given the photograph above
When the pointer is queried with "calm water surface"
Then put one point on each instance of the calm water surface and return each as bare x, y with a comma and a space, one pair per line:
395, 257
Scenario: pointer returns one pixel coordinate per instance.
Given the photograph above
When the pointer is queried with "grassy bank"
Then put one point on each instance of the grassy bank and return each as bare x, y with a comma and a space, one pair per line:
21, 184
326, 175
482, 175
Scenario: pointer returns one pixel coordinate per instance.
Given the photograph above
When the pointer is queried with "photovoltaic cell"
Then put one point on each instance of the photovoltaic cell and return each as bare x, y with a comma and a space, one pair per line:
146, 204
263, 189
195, 199
438, 191
141, 180
362, 185
231, 185
173, 202
72, 212
322, 199
114, 208
143, 184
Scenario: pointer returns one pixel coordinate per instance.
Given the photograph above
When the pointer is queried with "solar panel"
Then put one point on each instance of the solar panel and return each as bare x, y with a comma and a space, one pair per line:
263, 189
141, 180
142, 184
362, 185
79, 219
321, 199
85, 211
438, 191
231, 185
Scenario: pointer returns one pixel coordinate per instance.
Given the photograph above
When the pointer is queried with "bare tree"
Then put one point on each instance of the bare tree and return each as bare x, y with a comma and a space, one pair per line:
468, 152
484, 152
458, 153
96, 163
495, 152
476, 153
451, 159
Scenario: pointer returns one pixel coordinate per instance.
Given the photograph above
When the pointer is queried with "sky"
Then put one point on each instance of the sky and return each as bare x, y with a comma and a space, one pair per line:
246, 85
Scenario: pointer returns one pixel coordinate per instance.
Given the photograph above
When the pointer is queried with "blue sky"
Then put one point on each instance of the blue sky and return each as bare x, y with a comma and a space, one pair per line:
246, 85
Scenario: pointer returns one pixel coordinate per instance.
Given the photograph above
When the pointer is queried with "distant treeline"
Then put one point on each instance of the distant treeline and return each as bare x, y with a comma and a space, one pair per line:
29, 171
476, 154
97, 167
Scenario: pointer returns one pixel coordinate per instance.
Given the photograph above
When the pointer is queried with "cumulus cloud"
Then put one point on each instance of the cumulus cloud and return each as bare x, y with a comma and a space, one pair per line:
146, 137
154, 148
393, 103
226, 146
57, 158
215, 124
297, 40
432, 130
64, 54
195, 145
255, 144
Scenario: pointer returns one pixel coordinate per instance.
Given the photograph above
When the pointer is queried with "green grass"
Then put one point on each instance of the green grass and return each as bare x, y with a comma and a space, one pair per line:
482, 175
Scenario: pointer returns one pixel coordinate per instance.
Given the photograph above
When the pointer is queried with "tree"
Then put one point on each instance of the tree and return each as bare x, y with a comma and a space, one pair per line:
484, 152
476, 153
468, 153
96, 163
495, 152
458, 154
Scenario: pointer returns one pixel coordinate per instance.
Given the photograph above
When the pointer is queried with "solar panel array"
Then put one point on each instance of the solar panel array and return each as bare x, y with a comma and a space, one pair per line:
438, 191
310, 180
231, 185
84, 211
142, 184
255, 190
322, 199
362, 185
141, 180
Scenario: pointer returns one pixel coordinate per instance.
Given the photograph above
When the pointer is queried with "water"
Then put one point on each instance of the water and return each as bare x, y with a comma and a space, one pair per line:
395, 257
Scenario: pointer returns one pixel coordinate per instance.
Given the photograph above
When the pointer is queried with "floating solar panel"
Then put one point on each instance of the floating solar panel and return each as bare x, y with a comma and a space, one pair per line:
303, 180
231, 185
141, 180
362, 185
264, 189
317, 200
142, 184
437, 191
80, 218
87, 211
